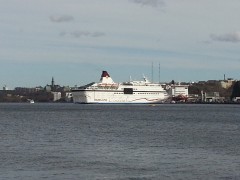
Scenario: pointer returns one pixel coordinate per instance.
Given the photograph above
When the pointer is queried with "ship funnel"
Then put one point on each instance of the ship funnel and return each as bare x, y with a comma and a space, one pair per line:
105, 74
105, 78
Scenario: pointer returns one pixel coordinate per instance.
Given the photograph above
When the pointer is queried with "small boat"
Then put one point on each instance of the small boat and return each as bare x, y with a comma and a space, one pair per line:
31, 101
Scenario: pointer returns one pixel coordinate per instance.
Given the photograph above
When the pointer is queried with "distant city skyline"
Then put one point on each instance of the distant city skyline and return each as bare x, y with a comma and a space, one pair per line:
74, 40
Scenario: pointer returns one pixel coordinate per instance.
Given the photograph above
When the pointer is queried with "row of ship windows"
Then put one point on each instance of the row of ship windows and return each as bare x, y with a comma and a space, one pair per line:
138, 93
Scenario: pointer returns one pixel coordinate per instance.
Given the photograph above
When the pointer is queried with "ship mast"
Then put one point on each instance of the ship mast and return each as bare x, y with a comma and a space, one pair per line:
159, 73
152, 72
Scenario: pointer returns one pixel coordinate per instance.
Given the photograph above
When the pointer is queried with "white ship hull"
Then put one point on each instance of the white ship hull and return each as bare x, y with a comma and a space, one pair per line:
131, 92
117, 97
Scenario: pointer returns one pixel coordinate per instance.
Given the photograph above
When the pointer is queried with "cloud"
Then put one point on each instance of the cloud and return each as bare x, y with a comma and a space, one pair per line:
153, 3
61, 18
78, 34
230, 37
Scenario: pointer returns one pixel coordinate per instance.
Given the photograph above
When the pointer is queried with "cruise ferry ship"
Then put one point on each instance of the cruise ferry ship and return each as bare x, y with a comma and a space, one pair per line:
107, 91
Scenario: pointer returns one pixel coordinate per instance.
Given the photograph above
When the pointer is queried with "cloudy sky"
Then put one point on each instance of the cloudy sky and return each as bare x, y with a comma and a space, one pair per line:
74, 40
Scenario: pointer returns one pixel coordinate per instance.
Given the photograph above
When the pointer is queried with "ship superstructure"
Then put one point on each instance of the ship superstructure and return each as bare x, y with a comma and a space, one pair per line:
107, 91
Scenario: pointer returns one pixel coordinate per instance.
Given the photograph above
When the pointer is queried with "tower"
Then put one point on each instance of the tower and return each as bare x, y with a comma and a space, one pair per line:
53, 83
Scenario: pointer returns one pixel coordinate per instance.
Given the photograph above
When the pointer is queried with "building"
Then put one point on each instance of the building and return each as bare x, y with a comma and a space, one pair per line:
52, 87
211, 97
227, 83
5, 88
56, 96
176, 90
68, 97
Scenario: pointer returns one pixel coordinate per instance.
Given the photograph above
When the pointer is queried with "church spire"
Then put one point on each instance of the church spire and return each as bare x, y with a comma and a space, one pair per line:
53, 83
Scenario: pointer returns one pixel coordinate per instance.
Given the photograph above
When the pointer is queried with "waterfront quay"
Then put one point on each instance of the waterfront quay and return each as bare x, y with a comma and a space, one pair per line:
211, 91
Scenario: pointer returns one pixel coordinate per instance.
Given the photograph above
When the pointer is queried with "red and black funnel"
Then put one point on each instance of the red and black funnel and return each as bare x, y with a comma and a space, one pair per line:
105, 74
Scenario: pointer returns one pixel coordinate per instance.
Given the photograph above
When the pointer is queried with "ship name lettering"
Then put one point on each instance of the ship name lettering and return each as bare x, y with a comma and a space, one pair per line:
100, 99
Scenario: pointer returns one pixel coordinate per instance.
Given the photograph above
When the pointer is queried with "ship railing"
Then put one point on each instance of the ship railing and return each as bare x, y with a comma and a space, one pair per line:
86, 86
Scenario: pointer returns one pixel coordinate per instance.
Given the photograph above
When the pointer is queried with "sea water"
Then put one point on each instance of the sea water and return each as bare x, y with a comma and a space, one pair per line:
165, 141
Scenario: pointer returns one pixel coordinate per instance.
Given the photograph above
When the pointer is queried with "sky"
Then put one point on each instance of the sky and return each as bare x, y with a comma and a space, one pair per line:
74, 40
